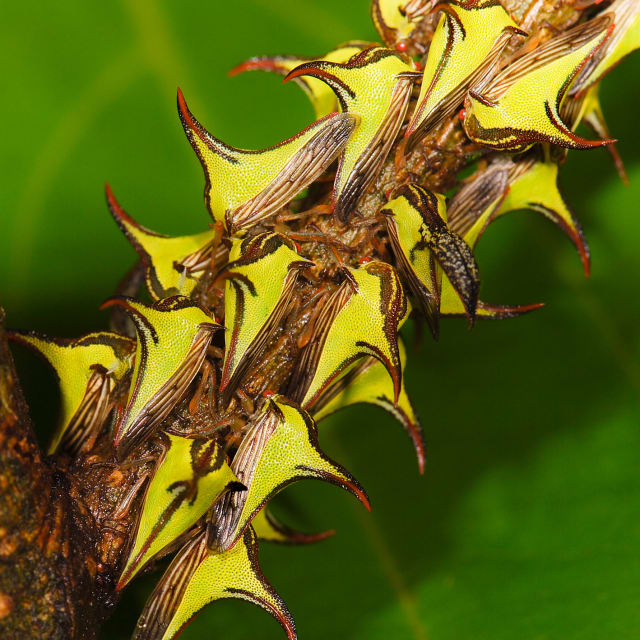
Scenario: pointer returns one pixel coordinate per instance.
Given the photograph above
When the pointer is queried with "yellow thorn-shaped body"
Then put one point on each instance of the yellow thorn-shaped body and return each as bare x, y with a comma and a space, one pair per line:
583, 101
369, 382
189, 477
395, 20
376, 85
361, 319
172, 340
268, 528
322, 98
197, 577
528, 183
280, 448
87, 369
625, 39
537, 189
522, 104
466, 45
244, 187
425, 248
170, 263
260, 280
506, 186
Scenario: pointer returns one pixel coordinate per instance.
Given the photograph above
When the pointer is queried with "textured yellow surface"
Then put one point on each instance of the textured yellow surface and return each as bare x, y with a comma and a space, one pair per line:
232, 574
368, 85
160, 253
165, 333
529, 108
409, 226
259, 282
461, 44
374, 386
428, 252
527, 521
72, 363
538, 190
235, 177
625, 40
396, 19
177, 496
535, 189
409, 223
322, 98
290, 453
367, 325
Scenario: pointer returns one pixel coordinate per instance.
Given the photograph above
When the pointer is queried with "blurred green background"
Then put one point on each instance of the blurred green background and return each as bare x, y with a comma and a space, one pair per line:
526, 523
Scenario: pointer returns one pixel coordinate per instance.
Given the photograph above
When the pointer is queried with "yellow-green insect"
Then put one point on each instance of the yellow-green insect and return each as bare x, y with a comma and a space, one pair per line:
466, 46
173, 337
583, 102
189, 477
280, 448
361, 319
244, 187
522, 104
624, 39
368, 381
395, 20
260, 279
87, 369
425, 248
506, 185
322, 98
218, 465
172, 265
375, 85
203, 577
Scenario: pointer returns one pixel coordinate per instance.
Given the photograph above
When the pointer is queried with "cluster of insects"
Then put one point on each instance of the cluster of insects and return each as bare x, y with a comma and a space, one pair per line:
288, 306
